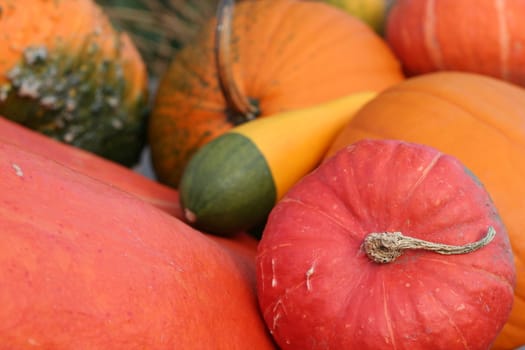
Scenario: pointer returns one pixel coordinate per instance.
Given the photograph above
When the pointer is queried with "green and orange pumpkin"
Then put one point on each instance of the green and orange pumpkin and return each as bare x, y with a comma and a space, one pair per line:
67, 73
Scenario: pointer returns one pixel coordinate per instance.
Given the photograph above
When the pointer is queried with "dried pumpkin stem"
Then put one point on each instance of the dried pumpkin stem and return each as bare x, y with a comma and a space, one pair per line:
236, 101
385, 247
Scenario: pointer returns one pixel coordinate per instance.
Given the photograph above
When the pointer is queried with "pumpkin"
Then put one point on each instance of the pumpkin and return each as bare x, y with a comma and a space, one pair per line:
68, 74
104, 170
159, 28
372, 12
101, 269
272, 56
386, 245
487, 38
481, 121
115, 175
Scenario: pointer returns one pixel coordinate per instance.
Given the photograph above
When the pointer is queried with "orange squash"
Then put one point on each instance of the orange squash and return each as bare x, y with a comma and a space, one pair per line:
281, 55
481, 121
84, 265
67, 73
111, 173
163, 197
485, 36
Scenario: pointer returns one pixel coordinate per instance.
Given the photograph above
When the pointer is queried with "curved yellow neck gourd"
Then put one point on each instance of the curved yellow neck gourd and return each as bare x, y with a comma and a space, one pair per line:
294, 142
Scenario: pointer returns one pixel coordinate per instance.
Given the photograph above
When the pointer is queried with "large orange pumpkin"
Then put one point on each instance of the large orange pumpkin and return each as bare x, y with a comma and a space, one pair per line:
67, 73
484, 36
112, 174
85, 265
481, 121
162, 197
283, 55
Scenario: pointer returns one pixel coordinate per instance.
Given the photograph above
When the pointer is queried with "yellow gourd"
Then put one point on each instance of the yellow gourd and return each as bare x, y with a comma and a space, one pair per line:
232, 182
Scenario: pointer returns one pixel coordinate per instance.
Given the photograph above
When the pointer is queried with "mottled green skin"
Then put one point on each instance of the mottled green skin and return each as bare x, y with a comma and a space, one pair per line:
79, 100
228, 186
159, 28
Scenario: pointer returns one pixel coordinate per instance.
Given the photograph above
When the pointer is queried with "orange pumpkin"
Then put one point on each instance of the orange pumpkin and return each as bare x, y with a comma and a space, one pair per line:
481, 121
85, 265
67, 73
485, 36
282, 55
114, 175
162, 197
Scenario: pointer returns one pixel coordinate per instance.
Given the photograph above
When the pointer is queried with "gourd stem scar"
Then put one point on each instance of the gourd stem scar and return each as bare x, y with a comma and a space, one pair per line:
385, 247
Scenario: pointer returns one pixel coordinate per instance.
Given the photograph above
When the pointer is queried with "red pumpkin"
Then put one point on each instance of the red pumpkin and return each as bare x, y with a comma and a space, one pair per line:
111, 173
482, 36
318, 287
107, 171
84, 265
477, 119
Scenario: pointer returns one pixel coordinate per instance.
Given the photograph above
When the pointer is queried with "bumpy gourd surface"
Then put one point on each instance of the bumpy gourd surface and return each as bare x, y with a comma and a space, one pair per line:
72, 76
77, 100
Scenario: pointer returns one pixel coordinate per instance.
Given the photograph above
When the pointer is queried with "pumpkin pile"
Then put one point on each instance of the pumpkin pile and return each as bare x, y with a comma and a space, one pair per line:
319, 174
268, 57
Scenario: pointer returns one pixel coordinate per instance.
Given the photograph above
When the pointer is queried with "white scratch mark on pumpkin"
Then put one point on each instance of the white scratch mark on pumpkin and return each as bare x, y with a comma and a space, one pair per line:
18, 170
390, 337
430, 39
276, 318
278, 310
444, 309
263, 277
424, 173
503, 38
308, 275
274, 279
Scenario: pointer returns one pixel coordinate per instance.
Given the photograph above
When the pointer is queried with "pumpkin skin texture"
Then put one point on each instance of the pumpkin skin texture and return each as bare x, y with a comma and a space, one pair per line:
487, 38
285, 55
71, 76
162, 197
160, 27
100, 269
318, 289
479, 120
87, 163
